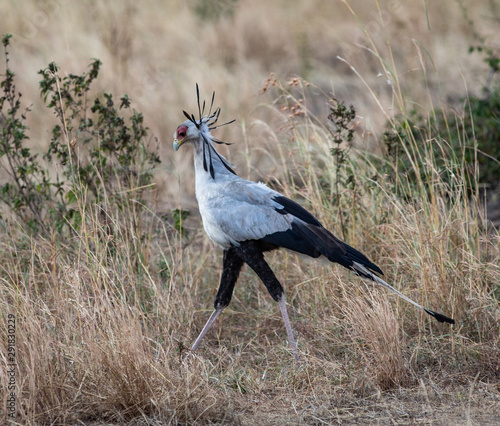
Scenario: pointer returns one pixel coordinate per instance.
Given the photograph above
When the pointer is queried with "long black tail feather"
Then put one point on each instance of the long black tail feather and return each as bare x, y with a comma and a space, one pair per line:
307, 236
337, 251
440, 317
356, 256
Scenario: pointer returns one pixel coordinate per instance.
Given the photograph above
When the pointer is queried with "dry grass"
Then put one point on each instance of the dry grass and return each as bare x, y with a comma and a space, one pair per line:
103, 319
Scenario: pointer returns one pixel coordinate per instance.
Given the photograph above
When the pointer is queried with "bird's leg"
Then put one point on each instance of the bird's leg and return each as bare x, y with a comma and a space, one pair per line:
231, 265
288, 327
207, 327
251, 252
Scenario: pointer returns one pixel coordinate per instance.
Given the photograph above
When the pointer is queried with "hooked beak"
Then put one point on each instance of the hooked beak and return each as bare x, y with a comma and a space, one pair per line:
177, 143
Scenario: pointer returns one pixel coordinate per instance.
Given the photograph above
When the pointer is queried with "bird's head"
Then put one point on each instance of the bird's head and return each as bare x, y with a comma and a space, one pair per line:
191, 131
198, 133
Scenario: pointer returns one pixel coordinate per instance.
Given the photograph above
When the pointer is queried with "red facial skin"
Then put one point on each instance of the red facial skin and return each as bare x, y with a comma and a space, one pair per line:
181, 132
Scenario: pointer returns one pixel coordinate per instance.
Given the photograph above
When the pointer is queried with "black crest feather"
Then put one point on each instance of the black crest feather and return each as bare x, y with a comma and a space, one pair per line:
210, 120
191, 118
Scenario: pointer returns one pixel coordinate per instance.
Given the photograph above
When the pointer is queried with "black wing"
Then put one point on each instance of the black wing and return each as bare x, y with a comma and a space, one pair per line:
308, 236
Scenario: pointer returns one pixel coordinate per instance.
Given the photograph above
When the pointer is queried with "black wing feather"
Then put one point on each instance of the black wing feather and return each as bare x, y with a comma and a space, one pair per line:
295, 209
308, 236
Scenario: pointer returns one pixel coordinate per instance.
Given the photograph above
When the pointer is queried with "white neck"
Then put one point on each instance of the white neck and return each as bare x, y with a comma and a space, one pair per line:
220, 170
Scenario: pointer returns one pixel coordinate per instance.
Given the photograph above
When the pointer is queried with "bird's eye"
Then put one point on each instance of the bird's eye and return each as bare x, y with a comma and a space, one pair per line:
181, 132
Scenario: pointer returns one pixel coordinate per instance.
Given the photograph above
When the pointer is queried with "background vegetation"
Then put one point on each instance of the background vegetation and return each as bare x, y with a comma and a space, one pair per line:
104, 261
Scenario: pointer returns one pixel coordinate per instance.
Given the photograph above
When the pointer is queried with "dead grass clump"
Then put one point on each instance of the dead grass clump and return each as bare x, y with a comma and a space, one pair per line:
96, 339
378, 342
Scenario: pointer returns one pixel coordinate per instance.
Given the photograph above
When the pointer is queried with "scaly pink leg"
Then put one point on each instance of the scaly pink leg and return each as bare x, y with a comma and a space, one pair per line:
205, 329
288, 327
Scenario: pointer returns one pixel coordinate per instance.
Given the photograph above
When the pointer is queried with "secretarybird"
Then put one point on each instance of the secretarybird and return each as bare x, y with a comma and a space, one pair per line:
247, 219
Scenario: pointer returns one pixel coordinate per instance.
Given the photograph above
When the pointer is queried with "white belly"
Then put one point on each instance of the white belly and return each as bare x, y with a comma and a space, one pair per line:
216, 234
209, 203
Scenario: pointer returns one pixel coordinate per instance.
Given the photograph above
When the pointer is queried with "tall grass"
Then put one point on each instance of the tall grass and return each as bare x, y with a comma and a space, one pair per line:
103, 319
